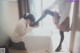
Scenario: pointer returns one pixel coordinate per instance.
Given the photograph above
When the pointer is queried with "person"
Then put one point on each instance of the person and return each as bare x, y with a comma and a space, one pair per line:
61, 18
63, 27
22, 27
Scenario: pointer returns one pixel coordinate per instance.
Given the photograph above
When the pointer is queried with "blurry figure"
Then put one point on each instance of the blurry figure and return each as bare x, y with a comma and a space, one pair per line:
56, 18
61, 17
63, 27
22, 27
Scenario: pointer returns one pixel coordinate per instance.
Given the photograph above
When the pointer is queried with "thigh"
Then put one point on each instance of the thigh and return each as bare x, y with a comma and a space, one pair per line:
18, 46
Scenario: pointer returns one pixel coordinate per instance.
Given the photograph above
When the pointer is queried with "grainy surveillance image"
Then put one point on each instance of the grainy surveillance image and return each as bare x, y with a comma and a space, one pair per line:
39, 26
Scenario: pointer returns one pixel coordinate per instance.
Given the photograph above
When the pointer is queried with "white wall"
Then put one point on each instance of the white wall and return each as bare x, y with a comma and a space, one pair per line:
8, 19
37, 43
77, 43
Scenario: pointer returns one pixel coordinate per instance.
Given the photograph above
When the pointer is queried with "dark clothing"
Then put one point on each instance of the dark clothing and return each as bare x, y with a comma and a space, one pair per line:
18, 46
61, 40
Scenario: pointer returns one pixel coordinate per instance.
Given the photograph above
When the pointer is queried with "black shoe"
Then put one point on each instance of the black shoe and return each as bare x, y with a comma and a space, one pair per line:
58, 49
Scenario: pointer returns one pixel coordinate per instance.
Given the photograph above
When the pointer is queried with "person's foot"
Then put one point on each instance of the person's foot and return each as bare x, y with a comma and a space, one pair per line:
58, 49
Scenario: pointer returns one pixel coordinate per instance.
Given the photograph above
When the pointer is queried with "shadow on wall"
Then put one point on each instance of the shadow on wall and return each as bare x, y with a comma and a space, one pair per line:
8, 19
3, 37
78, 24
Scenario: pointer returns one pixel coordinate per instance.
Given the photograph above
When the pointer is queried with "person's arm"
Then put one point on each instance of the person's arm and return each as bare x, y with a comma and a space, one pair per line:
19, 32
27, 29
16, 37
23, 29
